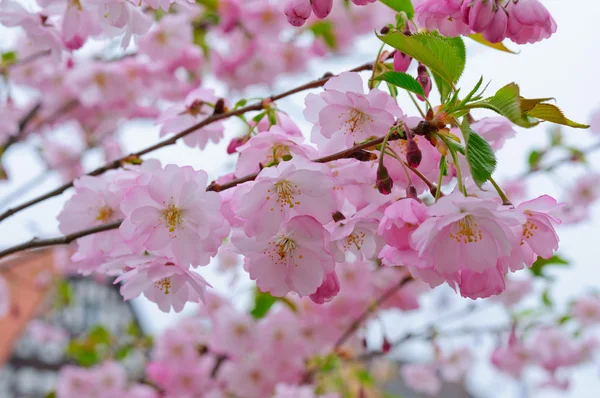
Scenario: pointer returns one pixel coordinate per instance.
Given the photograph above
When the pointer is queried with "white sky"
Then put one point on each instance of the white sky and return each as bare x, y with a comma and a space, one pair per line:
564, 67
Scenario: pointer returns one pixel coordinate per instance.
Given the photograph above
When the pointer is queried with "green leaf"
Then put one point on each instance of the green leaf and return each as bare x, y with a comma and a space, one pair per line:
241, 103
443, 87
479, 154
400, 6
324, 29
507, 102
540, 264
546, 298
9, 57
564, 319
51, 394
364, 377
442, 55
443, 166
262, 304
123, 352
392, 89
402, 80
552, 113
64, 293
134, 330
496, 46
99, 335
534, 159
83, 354
210, 4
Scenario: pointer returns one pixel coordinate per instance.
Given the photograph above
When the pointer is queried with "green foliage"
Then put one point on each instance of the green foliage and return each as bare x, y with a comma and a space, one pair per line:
479, 154
64, 293
324, 29
209, 4
496, 46
8, 57
91, 349
402, 80
401, 6
443, 56
539, 266
443, 87
534, 159
522, 111
51, 394
364, 377
546, 298
262, 304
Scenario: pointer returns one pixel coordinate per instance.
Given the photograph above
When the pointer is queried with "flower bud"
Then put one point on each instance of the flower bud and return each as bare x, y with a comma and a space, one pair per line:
384, 182
386, 346
413, 153
220, 107
297, 11
385, 30
328, 289
236, 143
424, 80
401, 61
322, 8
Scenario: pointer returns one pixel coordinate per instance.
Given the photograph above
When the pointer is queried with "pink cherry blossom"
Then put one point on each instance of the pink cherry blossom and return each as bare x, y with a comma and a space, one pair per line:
328, 289
234, 334
172, 213
529, 21
465, 233
443, 16
455, 366
199, 104
282, 192
516, 290
483, 284
355, 236
268, 148
421, 378
295, 259
162, 282
343, 114
495, 130
586, 310
297, 11
512, 358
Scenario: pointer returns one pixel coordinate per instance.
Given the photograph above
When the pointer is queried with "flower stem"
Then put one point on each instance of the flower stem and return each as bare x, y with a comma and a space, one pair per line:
505, 200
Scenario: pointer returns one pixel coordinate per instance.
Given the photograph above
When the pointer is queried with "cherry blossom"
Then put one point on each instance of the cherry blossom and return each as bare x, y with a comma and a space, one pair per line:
295, 259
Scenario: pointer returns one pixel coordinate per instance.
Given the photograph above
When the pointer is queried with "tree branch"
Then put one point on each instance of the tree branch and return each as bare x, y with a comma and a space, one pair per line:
61, 240
37, 243
363, 317
170, 141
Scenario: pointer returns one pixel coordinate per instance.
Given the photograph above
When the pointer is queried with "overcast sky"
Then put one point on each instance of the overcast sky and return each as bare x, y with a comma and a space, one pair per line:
564, 67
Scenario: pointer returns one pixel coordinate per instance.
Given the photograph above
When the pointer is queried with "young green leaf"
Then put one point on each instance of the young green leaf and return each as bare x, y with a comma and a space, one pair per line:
262, 304
507, 102
442, 55
401, 5
443, 87
479, 154
402, 80
324, 29
537, 269
551, 113
496, 46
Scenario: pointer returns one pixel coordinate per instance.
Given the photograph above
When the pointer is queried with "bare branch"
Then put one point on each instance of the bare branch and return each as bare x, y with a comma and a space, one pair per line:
170, 141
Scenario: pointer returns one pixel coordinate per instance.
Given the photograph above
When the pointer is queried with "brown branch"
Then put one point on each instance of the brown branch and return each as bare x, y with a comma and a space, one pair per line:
22, 127
36, 243
170, 141
26, 60
363, 317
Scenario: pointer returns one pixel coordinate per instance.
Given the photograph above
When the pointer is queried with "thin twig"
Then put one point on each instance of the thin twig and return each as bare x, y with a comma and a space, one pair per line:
170, 141
22, 127
363, 317
36, 243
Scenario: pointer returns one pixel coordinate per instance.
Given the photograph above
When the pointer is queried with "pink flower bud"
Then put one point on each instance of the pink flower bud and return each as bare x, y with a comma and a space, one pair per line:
328, 289
322, 8
413, 153
74, 43
401, 61
425, 80
386, 346
297, 11
236, 143
384, 182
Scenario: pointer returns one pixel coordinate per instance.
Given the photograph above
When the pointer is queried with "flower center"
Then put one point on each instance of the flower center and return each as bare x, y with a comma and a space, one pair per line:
162, 38
286, 194
172, 217
529, 229
104, 213
279, 151
466, 230
355, 238
164, 285
355, 119
282, 247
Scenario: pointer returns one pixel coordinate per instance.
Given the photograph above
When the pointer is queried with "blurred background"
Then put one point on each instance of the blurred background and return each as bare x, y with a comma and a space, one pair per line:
564, 67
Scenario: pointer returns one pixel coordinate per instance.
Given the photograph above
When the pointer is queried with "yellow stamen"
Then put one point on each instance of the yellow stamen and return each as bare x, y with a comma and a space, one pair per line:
172, 217
466, 230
